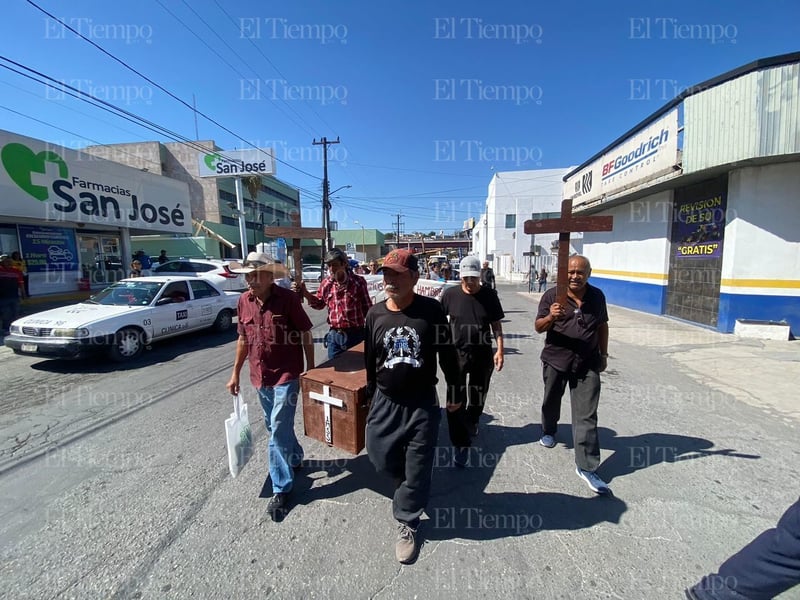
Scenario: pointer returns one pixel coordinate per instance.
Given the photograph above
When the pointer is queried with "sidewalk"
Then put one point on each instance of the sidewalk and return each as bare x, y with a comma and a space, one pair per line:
762, 373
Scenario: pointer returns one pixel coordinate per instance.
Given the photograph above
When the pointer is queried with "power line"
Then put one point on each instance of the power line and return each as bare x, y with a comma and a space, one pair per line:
76, 134
222, 9
102, 104
160, 87
222, 58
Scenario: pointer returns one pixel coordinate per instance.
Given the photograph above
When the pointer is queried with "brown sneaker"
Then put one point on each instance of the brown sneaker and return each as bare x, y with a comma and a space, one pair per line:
406, 547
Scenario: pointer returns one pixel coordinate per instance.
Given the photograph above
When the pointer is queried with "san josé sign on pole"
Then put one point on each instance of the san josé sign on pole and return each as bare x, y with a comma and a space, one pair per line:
237, 164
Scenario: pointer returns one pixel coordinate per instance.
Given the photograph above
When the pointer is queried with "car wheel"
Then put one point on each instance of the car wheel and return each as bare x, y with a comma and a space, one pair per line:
128, 344
223, 322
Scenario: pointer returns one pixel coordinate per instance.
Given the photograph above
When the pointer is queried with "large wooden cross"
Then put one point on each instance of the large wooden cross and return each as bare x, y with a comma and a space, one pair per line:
563, 226
296, 233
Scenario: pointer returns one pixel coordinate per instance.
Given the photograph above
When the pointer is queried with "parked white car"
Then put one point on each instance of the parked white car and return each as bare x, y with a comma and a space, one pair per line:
312, 273
125, 317
312, 276
216, 271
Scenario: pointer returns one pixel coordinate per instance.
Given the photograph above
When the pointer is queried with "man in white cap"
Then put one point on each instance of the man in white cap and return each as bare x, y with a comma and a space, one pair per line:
475, 314
274, 334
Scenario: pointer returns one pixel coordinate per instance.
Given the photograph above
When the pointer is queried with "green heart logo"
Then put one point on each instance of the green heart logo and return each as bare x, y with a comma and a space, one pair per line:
211, 161
20, 162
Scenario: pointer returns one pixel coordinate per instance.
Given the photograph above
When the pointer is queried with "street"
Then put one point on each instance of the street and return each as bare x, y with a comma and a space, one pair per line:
114, 483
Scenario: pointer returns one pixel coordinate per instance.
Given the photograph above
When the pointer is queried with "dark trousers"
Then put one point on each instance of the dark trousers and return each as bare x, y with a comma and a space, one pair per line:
9, 311
474, 373
764, 568
584, 393
401, 442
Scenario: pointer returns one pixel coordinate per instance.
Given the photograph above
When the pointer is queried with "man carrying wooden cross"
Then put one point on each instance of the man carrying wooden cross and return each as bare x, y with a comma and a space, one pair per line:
346, 296
575, 316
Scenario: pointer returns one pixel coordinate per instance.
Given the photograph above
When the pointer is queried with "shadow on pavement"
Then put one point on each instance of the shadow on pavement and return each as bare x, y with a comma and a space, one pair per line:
624, 455
461, 508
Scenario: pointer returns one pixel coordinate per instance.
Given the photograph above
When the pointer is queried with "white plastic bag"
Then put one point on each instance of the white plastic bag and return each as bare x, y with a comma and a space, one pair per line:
239, 436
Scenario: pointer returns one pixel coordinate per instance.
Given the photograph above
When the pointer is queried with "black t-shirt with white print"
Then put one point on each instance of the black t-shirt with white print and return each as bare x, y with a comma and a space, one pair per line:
401, 347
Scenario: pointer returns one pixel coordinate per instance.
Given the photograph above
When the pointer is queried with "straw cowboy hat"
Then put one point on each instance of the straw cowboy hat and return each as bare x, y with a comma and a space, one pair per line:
258, 261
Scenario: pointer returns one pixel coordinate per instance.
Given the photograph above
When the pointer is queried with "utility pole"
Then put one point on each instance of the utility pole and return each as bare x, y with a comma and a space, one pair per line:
326, 187
397, 227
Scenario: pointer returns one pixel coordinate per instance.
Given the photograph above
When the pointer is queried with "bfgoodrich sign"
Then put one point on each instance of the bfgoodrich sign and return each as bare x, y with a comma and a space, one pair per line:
649, 153
52, 183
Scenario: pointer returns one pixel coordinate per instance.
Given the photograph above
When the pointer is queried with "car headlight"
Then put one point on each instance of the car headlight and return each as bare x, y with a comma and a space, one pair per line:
15, 329
79, 332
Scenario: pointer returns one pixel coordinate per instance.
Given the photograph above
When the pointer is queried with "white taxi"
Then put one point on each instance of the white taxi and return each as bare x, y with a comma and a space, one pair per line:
125, 317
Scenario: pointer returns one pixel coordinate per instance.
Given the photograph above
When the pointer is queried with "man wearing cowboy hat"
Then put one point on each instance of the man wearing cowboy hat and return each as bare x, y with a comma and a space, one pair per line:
274, 334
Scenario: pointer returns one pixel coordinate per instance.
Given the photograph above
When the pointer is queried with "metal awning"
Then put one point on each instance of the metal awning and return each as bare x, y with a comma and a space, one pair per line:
201, 226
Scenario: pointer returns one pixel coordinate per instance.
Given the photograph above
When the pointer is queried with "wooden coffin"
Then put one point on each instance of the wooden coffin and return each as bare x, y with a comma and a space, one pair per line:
334, 401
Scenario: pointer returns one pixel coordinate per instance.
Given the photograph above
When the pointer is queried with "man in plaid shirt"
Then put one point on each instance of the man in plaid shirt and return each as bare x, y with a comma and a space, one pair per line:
347, 298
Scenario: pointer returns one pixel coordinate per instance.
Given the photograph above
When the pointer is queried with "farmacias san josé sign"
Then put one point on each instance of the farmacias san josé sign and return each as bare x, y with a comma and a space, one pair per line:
106, 196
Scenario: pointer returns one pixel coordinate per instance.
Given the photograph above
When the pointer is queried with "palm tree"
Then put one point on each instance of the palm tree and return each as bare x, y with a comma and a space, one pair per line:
253, 185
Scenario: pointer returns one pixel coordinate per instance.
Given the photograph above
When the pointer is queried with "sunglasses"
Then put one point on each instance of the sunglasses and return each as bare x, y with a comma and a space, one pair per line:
254, 263
579, 316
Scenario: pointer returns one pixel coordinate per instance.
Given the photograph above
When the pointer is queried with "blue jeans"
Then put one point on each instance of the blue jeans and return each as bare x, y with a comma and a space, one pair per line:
338, 341
280, 404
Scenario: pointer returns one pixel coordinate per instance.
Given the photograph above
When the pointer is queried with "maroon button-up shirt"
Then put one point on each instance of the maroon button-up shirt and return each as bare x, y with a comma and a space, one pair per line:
274, 336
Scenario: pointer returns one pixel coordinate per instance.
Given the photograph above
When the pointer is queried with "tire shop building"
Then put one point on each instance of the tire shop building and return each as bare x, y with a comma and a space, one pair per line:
705, 195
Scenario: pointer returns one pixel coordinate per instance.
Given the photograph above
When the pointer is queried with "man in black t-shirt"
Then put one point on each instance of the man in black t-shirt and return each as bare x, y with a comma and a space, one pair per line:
575, 352
404, 334
475, 313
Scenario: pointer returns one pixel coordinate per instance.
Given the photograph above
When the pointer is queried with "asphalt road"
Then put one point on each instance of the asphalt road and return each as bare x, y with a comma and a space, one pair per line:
114, 483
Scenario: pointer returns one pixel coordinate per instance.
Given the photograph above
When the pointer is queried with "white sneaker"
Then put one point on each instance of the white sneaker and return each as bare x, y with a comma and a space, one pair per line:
593, 481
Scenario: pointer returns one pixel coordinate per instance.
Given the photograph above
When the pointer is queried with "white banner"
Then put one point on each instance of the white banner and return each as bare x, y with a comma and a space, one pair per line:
56, 184
648, 154
236, 163
424, 287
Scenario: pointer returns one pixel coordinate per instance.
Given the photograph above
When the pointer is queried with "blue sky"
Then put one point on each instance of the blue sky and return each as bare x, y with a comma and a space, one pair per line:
427, 98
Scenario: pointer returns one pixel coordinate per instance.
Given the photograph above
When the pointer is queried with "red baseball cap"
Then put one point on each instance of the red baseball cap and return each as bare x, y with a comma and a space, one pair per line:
400, 261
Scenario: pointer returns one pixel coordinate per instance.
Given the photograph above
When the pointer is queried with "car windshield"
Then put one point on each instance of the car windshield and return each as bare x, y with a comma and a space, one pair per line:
127, 293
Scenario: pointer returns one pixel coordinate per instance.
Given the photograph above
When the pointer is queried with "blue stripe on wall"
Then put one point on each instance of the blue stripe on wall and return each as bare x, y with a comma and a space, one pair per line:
652, 299
753, 306
646, 297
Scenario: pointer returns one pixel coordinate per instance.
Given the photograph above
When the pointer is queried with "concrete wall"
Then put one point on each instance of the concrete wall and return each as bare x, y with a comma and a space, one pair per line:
761, 260
631, 262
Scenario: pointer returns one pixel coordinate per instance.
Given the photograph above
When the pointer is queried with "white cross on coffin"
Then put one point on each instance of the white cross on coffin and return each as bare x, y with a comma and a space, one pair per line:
328, 400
